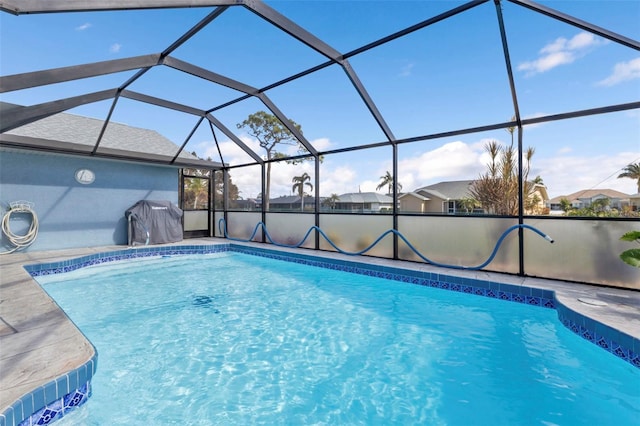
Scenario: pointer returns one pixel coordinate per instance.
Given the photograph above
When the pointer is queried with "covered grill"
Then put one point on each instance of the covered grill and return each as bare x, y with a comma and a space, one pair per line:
154, 222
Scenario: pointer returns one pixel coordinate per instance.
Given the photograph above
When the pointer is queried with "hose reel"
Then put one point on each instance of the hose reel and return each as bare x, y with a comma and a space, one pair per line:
20, 241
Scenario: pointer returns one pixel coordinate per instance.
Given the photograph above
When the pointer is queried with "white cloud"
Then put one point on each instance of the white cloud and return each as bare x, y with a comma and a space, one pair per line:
622, 71
83, 27
560, 52
340, 180
566, 174
565, 150
115, 48
321, 144
581, 41
406, 70
456, 160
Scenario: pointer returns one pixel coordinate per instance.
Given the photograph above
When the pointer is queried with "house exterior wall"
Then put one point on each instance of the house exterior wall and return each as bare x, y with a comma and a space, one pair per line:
540, 205
434, 205
71, 214
411, 204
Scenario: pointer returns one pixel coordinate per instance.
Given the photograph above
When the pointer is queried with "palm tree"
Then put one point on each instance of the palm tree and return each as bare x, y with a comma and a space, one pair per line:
298, 186
332, 201
387, 180
196, 189
538, 181
632, 171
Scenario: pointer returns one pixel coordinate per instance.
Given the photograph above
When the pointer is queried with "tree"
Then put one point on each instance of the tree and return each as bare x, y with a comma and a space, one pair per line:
196, 192
565, 205
232, 190
270, 132
469, 204
497, 189
387, 180
332, 201
632, 171
298, 186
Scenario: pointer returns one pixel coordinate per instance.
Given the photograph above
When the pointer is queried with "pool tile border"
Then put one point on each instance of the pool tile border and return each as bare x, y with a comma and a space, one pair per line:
49, 402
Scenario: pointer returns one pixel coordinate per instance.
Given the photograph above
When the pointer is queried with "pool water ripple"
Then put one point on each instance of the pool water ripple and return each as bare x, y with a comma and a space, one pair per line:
237, 339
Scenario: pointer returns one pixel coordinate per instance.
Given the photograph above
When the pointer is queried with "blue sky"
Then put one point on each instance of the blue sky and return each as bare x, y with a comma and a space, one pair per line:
447, 76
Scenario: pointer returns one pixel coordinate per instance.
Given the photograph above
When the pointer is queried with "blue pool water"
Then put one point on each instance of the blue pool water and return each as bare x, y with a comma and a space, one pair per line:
234, 339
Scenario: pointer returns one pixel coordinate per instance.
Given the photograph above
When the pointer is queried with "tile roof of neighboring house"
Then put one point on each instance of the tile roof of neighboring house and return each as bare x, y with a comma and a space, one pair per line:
449, 190
365, 197
76, 129
590, 194
291, 199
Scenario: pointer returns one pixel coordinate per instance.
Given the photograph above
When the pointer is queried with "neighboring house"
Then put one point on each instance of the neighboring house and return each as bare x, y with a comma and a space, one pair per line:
291, 203
250, 204
364, 202
442, 197
451, 197
634, 201
584, 198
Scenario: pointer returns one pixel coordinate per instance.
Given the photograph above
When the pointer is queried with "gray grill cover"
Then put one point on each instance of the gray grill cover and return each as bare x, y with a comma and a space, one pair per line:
161, 219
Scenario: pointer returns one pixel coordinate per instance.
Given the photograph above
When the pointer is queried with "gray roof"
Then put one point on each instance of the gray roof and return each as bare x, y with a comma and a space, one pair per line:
291, 199
365, 197
76, 129
449, 190
73, 133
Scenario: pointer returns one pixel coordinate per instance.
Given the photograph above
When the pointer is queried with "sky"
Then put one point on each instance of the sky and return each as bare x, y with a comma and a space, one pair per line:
447, 76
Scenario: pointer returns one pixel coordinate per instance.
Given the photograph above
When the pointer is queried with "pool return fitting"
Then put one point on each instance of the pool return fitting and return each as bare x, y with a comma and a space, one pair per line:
222, 227
20, 241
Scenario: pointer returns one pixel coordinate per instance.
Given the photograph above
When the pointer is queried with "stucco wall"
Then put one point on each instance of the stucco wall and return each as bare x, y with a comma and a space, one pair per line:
75, 215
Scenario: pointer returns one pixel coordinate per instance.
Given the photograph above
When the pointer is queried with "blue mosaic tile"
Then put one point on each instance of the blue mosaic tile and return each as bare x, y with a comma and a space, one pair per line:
517, 298
531, 300
620, 352
503, 295
603, 343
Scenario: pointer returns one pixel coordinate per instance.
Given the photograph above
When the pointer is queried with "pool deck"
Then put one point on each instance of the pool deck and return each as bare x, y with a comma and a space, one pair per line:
38, 342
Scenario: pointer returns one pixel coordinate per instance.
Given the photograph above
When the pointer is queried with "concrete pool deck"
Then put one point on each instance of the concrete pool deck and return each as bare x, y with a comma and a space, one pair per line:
38, 343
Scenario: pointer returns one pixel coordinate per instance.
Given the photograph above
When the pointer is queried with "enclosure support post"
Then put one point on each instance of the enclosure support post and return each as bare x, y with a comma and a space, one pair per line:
518, 119
395, 200
263, 206
317, 200
225, 197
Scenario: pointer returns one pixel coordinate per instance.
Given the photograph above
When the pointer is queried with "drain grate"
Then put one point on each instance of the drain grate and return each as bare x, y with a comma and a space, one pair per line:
205, 301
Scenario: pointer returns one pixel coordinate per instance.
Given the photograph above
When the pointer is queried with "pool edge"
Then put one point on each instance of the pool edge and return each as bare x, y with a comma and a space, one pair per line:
615, 341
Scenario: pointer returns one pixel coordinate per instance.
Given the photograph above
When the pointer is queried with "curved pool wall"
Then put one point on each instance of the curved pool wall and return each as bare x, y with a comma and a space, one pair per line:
56, 398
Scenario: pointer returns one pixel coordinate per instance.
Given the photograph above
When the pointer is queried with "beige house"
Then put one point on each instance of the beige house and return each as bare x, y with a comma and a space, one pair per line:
452, 197
586, 197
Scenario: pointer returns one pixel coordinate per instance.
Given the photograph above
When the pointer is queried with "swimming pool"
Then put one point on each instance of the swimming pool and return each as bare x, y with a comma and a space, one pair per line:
314, 345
